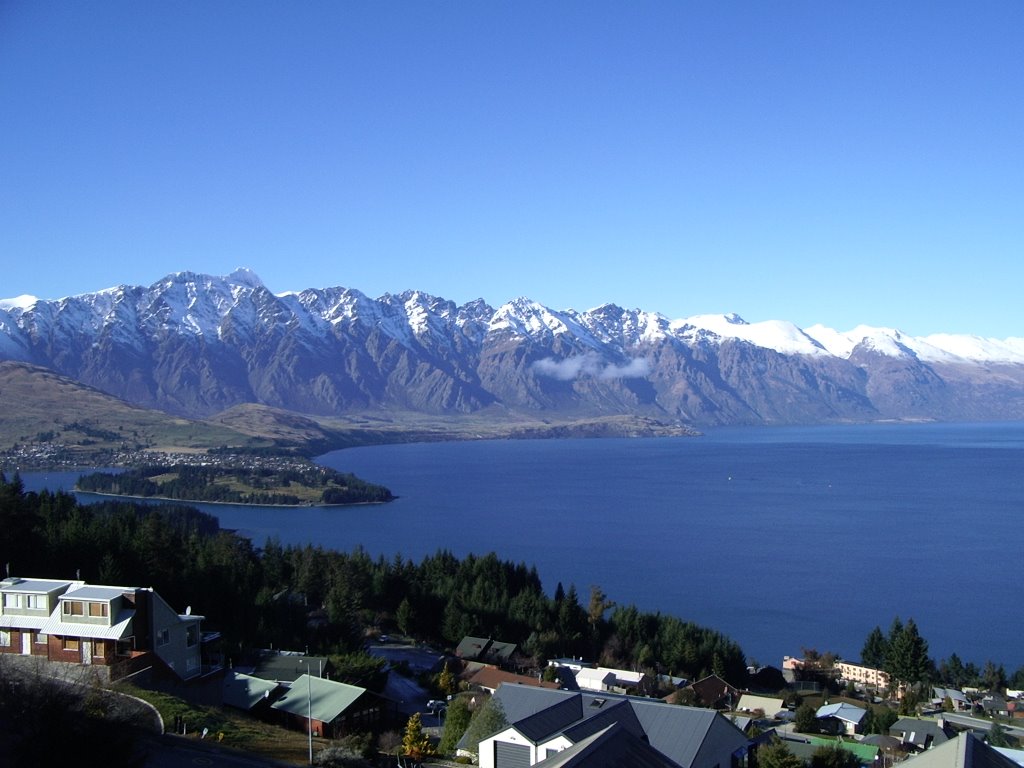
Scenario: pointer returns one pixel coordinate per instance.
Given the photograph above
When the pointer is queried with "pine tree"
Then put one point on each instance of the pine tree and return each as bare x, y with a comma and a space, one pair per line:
834, 756
446, 681
895, 630
806, 720
775, 754
415, 743
404, 617
875, 649
908, 655
455, 723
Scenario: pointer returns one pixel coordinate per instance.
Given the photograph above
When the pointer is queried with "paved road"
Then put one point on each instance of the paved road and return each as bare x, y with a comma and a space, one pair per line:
177, 752
982, 724
406, 692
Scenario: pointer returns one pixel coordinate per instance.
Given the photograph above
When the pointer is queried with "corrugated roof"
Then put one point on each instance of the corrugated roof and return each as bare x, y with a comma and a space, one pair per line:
119, 630
245, 691
23, 622
681, 732
965, 751
692, 737
288, 667
618, 712
492, 677
612, 747
843, 711
326, 698
552, 720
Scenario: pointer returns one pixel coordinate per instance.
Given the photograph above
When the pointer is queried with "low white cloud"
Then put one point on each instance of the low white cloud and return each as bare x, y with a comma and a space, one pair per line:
590, 364
636, 368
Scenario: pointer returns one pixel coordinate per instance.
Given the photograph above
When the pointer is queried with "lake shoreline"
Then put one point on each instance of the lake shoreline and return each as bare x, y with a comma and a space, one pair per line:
76, 489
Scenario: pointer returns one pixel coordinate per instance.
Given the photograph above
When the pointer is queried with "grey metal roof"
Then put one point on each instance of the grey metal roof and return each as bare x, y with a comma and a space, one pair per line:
471, 647
965, 751
843, 711
326, 698
34, 586
693, 738
23, 622
920, 732
612, 747
617, 712
91, 592
288, 667
119, 630
245, 691
552, 720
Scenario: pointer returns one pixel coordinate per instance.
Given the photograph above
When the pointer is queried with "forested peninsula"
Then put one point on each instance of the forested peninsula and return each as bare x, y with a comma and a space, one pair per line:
288, 485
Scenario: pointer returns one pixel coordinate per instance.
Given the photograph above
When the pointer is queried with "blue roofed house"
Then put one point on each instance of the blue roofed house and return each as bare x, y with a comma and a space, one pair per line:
841, 718
545, 723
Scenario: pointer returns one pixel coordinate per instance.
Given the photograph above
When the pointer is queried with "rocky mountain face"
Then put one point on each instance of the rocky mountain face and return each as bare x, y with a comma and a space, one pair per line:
195, 345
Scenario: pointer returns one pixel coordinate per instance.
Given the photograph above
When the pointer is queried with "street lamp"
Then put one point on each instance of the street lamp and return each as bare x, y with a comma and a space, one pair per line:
309, 707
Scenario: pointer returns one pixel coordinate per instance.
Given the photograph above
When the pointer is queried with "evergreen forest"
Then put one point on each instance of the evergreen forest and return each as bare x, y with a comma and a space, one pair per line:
291, 485
327, 601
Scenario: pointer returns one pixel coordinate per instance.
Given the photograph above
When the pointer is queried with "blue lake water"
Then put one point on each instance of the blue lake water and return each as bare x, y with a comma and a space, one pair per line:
781, 537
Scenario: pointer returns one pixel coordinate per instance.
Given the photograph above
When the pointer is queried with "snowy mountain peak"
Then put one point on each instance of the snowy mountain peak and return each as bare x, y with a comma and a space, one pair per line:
246, 277
195, 344
779, 335
22, 302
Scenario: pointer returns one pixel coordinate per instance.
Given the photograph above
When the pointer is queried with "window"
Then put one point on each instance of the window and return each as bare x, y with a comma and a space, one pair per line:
5, 638
40, 638
71, 644
74, 608
12, 601
192, 636
124, 647
99, 609
163, 637
35, 601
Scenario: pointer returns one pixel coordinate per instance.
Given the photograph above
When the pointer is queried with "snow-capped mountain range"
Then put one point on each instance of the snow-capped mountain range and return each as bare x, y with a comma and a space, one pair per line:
195, 344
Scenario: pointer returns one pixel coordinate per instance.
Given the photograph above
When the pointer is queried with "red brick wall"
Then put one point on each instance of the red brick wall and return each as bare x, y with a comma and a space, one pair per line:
15, 646
40, 649
57, 652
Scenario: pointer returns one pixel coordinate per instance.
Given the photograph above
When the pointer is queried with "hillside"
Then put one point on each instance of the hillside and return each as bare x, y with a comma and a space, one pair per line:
39, 406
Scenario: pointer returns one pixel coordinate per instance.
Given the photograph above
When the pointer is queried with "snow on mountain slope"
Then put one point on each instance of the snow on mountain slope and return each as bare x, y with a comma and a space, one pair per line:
979, 349
779, 335
202, 305
936, 348
624, 328
18, 302
527, 318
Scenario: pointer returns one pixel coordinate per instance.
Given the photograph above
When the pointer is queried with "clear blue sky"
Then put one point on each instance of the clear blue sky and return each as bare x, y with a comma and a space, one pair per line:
832, 162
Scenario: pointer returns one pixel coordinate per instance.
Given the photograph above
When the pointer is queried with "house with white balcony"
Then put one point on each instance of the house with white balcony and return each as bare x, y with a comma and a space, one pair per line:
116, 630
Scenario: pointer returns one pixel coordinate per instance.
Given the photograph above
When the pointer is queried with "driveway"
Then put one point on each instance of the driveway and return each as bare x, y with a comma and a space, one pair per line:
407, 694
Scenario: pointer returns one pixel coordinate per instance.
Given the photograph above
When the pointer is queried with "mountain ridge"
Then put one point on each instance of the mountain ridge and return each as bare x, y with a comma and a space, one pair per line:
195, 345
